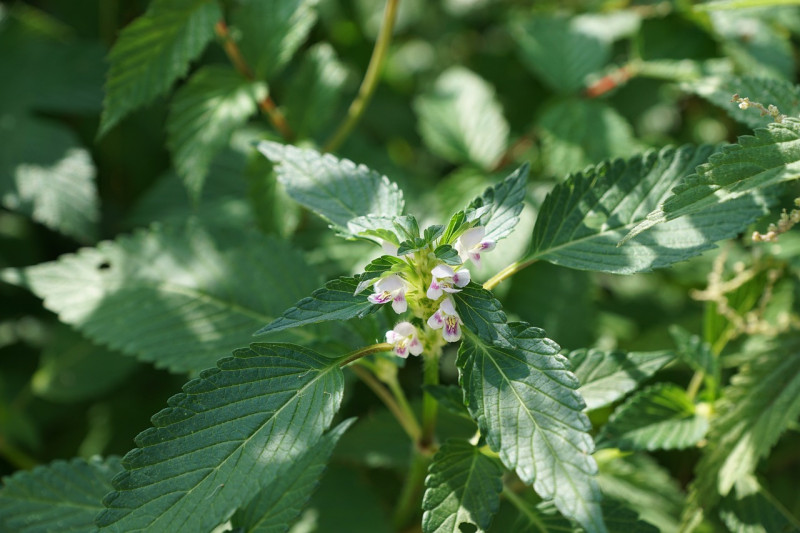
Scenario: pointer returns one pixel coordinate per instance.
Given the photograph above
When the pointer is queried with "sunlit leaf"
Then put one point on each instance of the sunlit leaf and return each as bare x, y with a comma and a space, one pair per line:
505, 201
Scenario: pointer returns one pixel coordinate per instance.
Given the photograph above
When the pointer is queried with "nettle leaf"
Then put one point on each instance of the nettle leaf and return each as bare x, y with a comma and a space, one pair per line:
607, 376
583, 219
661, 417
463, 487
62, 496
280, 502
758, 406
749, 507
392, 229
339, 299
154, 51
696, 353
544, 518
461, 120
756, 163
272, 31
203, 115
51, 180
338, 190
177, 296
503, 203
232, 430
525, 400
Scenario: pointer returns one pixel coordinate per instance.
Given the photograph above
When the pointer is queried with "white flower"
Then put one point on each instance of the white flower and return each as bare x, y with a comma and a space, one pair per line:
447, 319
390, 289
471, 243
443, 280
405, 340
389, 248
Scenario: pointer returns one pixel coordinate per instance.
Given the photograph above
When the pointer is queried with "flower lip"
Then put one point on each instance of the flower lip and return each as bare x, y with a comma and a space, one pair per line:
446, 318
471, 243
445, 279
405, 339
391, 288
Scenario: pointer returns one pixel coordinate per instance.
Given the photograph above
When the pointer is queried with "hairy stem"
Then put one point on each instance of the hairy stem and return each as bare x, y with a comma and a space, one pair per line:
370, 81
507, 272
363, 352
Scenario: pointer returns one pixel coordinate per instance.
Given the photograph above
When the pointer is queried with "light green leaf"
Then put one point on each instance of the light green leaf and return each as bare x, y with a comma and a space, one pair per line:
337, 300
525, 400
576, 133
756, 163
178, 296
749, 508
50, 180
272, 31
661, 417
229, 433
607, 376
62, 496
461, 120
505, 201
314, 91
583, 219
696, 353
154, 51
338, 190
204, 114
463, 486
279, 503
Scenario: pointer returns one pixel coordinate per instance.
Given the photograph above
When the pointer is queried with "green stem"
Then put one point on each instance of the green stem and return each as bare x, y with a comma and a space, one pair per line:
363, 352
15, 456
694, 385
402, 401
408, 423
507, 272
370, 81
411, 496
430, 406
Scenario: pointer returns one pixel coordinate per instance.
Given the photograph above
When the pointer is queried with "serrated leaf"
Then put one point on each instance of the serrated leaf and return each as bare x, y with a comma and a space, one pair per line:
177, 296
463, 486
277, 505
661, 417
203, 115
51, 180
757, 162
338, 190
62, 496
525, 400
394, 229
577, 133
544, 518
751, 509
229, 433
337, 300
583, 219
607, 376
461, 120
272, 31
503, 203
696, 353
154, 51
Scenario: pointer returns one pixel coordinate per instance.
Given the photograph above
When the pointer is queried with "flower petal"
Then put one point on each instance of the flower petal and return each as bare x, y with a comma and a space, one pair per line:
442, 271
472, 236
399, 304
415, 347
447, 307
434, 291
461, 278
436, 321
379, 297
389, 283
452, 329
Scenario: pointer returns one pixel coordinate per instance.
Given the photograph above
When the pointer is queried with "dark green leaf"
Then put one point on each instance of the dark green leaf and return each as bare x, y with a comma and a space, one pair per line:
503, 203
696, 353
751, 509
448, 254
449, 397
229, 433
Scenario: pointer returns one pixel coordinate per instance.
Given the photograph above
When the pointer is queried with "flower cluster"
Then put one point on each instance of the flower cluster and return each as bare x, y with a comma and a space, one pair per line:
444, 282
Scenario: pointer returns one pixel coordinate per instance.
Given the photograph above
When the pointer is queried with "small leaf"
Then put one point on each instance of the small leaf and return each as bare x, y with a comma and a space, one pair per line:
278, 504
607, 376
461, 120
338, 190
447, 254
463, 486
154, 51
503, 203
229, 433
204, 113
62, 496
337, 300
661, 417
696, 353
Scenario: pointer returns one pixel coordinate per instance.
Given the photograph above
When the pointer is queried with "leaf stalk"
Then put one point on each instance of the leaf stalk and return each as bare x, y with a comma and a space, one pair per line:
507, 272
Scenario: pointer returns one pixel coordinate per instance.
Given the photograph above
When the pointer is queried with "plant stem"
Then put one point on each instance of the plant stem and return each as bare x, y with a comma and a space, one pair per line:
266, 104
363, 352
430, 406
411, 496
408, 423
15, 456
694, 385
507, 272
370, 81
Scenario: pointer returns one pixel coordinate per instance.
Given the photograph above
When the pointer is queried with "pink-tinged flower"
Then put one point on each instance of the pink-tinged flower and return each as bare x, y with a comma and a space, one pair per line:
392, 288
446, 318
443, 280
405, 340
389, 248
471, 244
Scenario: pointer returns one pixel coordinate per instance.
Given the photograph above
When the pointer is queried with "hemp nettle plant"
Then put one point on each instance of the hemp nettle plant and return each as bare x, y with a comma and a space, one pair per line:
556, 163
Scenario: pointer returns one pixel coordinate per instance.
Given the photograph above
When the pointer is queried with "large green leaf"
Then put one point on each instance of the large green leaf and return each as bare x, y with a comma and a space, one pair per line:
154, 51
582, 220
338, 190
607, 376
178, 296
272, 31
51, 180
749, 508
505, 200
661, 417
542, 517
756, 163
525, 400
696, 353
461, 120
203, 116
231, 431
277, 505
463, 486
62, 496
